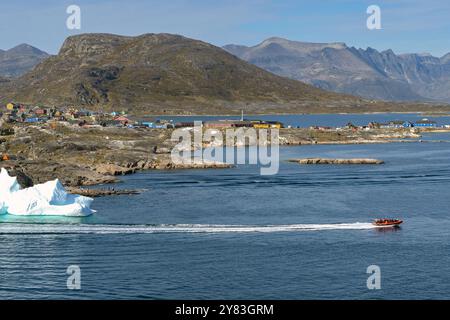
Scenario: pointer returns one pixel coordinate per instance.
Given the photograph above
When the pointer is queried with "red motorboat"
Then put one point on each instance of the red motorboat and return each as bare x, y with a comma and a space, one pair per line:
387, 222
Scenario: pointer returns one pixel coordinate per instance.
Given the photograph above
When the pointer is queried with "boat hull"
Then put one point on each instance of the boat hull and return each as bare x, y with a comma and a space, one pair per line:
387, 224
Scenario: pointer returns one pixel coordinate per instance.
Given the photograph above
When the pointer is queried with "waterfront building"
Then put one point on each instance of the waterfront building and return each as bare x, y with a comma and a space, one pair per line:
425, 123
268, 125
397, 124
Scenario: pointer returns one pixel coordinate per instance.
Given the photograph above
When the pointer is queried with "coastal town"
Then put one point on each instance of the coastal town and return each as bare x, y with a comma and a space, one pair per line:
15, 113
20, 114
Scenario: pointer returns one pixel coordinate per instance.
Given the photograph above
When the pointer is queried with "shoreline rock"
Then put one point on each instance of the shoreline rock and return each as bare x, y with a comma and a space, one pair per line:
95, 193
307, 161
113, 170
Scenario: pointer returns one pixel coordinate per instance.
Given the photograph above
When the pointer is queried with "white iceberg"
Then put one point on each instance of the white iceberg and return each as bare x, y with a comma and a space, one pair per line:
48, 198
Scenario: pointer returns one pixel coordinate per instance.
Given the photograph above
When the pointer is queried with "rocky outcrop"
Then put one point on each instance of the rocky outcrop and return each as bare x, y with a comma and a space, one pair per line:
95, 193
196, 165
113, 170
24, 180
345, 136
336, 161
31, 172
159, 150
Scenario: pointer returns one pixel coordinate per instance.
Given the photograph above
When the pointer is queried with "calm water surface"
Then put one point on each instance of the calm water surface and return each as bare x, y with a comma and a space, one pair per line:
330, 120
232, 234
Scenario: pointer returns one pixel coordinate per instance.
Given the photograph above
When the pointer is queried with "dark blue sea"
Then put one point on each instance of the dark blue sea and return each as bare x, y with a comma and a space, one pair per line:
304, 233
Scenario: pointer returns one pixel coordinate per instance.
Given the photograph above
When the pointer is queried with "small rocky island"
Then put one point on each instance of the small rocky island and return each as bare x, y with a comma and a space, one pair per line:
336, 161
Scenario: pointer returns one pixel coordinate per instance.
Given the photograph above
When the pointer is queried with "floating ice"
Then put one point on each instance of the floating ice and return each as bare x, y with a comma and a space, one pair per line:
48, 198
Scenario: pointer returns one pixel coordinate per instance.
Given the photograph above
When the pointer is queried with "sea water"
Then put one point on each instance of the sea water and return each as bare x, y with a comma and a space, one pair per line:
304, 233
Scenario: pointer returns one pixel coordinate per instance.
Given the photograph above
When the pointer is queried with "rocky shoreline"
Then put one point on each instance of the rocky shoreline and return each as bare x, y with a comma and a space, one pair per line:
92, 156
95, 193
337, 161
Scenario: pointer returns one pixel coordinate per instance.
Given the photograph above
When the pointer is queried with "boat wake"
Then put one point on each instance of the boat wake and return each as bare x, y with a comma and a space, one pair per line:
56, 228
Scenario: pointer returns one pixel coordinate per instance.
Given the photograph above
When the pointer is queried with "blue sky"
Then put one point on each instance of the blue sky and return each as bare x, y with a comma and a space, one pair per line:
407, 25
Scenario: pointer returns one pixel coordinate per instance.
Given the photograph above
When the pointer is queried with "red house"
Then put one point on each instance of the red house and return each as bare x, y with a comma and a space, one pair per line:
123, 120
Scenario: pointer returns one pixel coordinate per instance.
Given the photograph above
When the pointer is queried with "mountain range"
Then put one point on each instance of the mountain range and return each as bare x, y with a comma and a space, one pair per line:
158, 73
19, 60
362, 72
172, 74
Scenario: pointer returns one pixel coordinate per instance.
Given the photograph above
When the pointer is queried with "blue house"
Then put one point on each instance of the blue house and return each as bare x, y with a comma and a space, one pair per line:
148, 124
408, 124
426, 123
32, 120
158, 125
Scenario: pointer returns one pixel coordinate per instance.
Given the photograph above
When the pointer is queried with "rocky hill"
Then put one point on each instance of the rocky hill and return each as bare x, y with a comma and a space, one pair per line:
157, 73
367, 73
20, 59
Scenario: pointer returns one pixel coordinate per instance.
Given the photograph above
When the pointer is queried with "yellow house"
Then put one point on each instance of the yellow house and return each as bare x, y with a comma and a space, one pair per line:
261, 126
268, 125
10, 106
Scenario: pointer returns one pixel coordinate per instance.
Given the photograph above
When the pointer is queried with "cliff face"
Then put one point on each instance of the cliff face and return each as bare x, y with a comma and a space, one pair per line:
366, 73
155, 72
